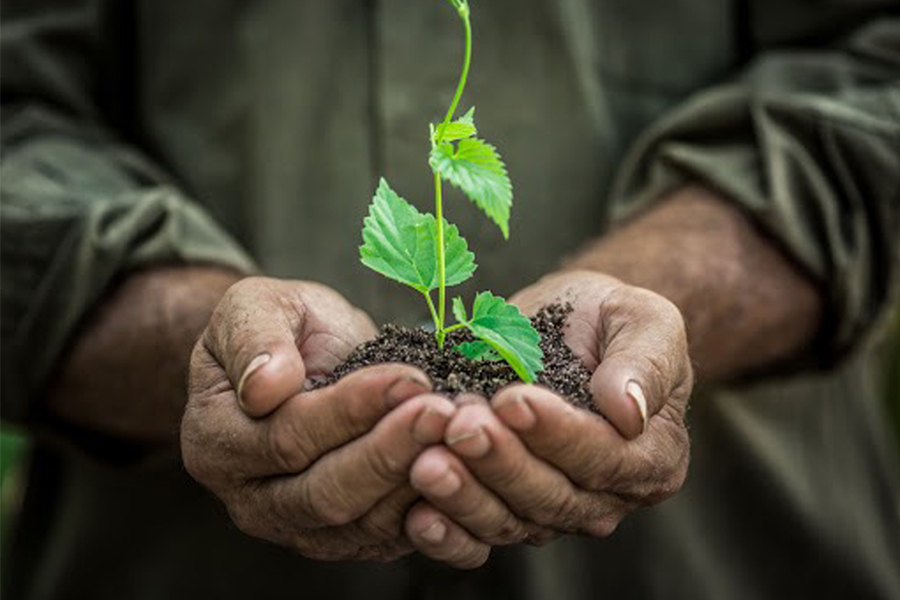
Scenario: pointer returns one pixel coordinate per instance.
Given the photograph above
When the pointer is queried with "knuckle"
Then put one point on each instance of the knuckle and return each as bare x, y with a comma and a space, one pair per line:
669, 312
245, 286
199, 453
671, 485
605, 473
199, 357
540, 536
327, 508
382, 527
384, 465
565, 512
303, 546
553, 508
286, 447
511, 477
383, 553
311, 545
385, 521
193, 463
191, 456
356, 404
509, 530
469, 555
231, 299
661, 470
658, 367
246, 520
557, 442
603, 526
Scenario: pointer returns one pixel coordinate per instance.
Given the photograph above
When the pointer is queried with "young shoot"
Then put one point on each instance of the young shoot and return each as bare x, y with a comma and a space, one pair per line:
427, 253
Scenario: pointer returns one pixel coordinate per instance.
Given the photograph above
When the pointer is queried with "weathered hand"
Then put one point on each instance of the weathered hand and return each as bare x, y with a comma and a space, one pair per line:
529, 465
324, 472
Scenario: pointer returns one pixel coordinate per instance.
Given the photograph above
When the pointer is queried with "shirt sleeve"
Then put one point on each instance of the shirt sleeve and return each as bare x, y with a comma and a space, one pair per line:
78, 206
808, 144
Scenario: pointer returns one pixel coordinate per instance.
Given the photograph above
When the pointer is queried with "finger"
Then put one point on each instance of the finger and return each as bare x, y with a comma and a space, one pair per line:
385, 552
439, 538
314, 423
336, 544
378, 536
345, 484
224, 446
532, 489
253, 335
384, 522
447, 485
467, 398
590, 451
332, 329
644, 359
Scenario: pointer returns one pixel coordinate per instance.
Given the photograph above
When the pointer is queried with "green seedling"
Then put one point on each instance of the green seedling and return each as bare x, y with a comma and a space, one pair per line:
427, 253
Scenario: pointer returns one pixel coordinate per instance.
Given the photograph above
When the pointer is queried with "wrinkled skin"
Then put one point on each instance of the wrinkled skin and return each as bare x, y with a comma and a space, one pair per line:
324, 472
376, 466
526, 466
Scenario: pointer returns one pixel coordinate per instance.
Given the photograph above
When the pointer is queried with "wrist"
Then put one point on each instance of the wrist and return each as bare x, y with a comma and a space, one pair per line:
124, 375
744, 303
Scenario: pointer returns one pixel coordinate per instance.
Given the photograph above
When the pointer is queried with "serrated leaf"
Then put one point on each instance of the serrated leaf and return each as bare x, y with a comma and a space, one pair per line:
475, 167
399, 243
460, 129
477, 351
459, 310
509, 332
459, 262
469, 117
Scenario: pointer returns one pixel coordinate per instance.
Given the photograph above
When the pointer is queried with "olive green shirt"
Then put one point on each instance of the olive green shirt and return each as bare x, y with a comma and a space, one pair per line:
251, 134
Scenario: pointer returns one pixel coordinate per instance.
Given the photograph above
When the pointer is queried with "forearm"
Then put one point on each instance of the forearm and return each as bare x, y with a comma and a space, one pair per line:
125, 375
744, 304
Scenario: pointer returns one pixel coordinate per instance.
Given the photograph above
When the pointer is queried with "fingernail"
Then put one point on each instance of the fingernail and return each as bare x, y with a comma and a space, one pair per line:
517, 413
634, 391
434, 534
474, 444
446, 485
429, 426
253, 367
405, 388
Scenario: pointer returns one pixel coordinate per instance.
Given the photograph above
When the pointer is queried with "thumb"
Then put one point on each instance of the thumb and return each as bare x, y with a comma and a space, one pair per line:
644, 362
252, 334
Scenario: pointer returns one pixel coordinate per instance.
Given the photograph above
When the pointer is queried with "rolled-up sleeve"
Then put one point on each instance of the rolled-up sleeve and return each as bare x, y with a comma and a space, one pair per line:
808, 144
79, 209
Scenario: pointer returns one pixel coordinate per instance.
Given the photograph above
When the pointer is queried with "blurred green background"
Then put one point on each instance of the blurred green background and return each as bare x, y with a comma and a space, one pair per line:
13, 465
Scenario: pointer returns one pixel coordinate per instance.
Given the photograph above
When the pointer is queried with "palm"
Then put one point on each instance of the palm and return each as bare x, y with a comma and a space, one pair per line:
583, 331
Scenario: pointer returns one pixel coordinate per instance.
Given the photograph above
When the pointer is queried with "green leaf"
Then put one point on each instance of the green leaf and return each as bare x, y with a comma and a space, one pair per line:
399, 243
460, 129
477, 351
475, 167
461, 6
459, 311
506, 330
469, 117
459, 262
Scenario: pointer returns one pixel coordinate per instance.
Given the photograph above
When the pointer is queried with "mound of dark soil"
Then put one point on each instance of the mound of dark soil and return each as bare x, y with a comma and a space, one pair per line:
452, 373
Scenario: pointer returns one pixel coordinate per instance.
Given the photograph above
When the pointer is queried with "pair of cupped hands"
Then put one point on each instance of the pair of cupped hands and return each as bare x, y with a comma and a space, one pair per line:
377, 466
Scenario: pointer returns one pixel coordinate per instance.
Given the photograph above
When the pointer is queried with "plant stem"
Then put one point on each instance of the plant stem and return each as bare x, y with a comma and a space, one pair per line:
442, 267
434, 316
440, 332
454, 328
464, 14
